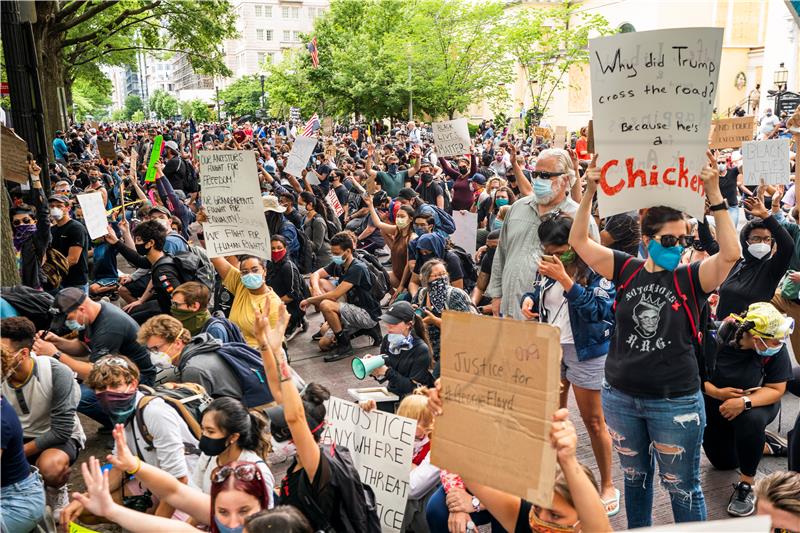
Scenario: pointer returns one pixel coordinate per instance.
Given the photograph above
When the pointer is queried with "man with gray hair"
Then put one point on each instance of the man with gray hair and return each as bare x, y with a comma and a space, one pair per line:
519, 251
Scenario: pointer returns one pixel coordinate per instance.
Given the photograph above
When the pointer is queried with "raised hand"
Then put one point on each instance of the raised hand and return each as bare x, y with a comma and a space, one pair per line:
98, 499
123, 460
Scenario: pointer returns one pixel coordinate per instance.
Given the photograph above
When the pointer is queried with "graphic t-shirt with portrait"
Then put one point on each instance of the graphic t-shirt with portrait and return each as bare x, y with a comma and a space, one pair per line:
651, 353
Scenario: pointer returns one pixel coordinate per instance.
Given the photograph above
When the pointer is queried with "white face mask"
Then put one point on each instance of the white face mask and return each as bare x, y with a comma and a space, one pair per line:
56, 213
166, 223
759, 249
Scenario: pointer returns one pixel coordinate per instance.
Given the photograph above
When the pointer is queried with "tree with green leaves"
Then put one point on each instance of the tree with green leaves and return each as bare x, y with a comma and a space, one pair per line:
163, 104
133, 103
197, 110
546, 43
242, 97
74, 38
90, 99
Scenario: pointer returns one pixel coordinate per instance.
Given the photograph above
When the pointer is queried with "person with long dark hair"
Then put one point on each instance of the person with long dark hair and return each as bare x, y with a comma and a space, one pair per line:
316, 229
651, 393
285, 279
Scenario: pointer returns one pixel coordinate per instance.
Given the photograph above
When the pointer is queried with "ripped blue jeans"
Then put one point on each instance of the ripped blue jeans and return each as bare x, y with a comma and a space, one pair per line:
664, 430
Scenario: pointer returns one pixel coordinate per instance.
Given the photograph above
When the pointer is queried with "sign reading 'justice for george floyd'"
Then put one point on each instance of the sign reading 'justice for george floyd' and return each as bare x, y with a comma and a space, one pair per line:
652, 98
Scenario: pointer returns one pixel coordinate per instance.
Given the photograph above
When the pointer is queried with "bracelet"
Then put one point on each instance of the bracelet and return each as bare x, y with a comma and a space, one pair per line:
264, 347
138, 467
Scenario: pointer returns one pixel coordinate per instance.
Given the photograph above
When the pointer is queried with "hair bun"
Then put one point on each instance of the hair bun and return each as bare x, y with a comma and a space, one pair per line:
316, 393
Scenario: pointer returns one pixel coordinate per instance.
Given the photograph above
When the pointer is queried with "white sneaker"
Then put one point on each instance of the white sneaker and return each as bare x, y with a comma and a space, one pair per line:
57, 498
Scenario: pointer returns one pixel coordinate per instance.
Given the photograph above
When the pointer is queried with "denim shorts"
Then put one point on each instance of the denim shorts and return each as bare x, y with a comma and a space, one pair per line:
584, 374
22, 503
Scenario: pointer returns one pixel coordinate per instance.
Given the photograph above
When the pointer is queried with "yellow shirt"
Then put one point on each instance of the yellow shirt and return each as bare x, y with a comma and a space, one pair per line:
242, 313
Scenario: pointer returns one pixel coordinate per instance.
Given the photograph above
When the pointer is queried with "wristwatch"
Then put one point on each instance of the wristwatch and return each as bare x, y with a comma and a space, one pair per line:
722, 206
57, 356
476, 504
747, 403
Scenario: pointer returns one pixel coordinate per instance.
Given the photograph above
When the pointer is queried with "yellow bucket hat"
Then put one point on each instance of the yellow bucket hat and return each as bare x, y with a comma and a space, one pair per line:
768, 322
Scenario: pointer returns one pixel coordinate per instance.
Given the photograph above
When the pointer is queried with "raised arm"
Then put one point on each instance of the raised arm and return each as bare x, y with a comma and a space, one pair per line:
598, 257
525, 187
391, 229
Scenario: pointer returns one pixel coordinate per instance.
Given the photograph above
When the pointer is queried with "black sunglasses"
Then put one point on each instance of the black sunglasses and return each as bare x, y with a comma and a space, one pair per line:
19, 222
245, 472
668, 241
543, 174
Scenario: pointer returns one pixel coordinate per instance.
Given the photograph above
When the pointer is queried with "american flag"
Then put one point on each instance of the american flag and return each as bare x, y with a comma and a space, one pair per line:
197, 141
311, 126
312, 49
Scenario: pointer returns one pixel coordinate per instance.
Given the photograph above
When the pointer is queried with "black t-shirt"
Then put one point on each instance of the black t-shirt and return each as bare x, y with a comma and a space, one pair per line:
64, 237
341, 194
322, 493
359, 294
429, 193
727, 186
114, 332
745, 369
15, 466
651, 353
355, 200
523, 518
451, 262
175, 172
487, 260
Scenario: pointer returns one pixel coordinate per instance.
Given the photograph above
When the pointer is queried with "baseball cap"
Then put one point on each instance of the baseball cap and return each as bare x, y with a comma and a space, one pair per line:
66, 301
172, 145
478, 178
398, 312
407, 193
159, 209
323, 169
58, 198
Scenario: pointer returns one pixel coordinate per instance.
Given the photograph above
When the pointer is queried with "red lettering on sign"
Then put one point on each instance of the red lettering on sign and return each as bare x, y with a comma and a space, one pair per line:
637, 177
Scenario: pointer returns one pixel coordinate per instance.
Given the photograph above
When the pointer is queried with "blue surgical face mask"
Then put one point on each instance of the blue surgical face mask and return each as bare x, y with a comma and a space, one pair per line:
337, 259
252, 281
74, 325
769, 351
500, 202
666, 258
543, 189
398, 342
497, 224
225, 529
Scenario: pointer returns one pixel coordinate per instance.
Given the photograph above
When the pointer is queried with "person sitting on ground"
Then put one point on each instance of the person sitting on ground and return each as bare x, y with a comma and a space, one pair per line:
316, 229
406, 351
102, 329
31, 225
45, 396
285, 279
231, 434
744, 395
155, 434
190, 306
360, 312
433, 246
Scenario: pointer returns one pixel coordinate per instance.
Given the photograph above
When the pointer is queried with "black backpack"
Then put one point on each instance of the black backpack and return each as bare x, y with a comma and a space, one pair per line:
358, 510
467, 268
30, 303
190, 179
194, 265
305, 262
379, 276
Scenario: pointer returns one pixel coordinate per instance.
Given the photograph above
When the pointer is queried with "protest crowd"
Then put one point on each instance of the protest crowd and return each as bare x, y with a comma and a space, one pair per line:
148, 306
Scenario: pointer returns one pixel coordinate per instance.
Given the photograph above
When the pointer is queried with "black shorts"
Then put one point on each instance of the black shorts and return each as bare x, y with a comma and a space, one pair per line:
136, 288
71, 448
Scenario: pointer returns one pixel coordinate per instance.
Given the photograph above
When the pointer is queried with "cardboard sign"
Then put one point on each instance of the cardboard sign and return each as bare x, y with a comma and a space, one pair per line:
155, 155
451, 137
232, 199
327, 126
503, 377
766, 160
560, 140
653, 93
106, 149
544, 133
13, 156
732, 132
382, 447
466, 230
302, 149
333, 202
94, 214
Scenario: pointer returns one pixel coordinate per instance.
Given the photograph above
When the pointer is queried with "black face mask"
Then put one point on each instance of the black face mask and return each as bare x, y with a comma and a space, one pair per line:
463, 170
427, 178
212, 447
142, 249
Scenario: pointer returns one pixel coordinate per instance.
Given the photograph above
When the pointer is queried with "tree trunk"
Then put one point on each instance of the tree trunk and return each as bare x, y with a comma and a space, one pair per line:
9, 273
51, 68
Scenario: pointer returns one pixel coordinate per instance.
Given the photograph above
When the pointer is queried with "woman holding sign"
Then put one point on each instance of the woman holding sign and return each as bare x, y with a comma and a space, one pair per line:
651, 393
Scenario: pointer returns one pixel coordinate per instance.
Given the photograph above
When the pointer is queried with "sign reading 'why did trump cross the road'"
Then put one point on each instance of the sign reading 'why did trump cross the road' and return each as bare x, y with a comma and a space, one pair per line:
652, 98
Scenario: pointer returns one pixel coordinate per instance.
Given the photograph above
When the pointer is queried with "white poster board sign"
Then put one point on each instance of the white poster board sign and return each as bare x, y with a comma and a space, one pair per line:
382, 447
466, 230
652, 97
451, 137
232, 200
766, 160
94, 214
302, 148
333, 202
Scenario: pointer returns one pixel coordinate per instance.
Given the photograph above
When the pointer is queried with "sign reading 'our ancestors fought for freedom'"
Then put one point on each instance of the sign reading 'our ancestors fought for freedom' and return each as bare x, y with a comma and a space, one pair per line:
652, 98
232, 199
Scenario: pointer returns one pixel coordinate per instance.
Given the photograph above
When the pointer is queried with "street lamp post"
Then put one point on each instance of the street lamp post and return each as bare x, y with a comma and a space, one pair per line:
219, 109
780, 77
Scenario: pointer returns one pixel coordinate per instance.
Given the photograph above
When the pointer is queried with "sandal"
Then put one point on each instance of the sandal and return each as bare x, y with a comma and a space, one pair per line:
611, 505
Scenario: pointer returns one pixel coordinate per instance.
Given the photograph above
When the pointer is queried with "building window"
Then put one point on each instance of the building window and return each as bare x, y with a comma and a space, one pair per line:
267, 11
285, 12
287, 35
268, 35
260, 34
295, 12
261, 58
296, 36
259, 11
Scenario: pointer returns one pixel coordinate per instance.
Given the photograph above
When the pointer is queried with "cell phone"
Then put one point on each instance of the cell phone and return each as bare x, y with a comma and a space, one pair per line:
752, 390
549, 258
420, 312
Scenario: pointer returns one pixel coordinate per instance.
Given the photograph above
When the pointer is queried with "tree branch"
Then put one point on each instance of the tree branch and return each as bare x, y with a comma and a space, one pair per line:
79, 50
153, 49
69, 9
86, 15
121, 18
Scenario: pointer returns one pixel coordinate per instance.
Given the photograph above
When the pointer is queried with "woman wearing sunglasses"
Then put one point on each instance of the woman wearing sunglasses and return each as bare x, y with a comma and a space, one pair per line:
743, 396
568, 294
237, 491
651, 393
31, 237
